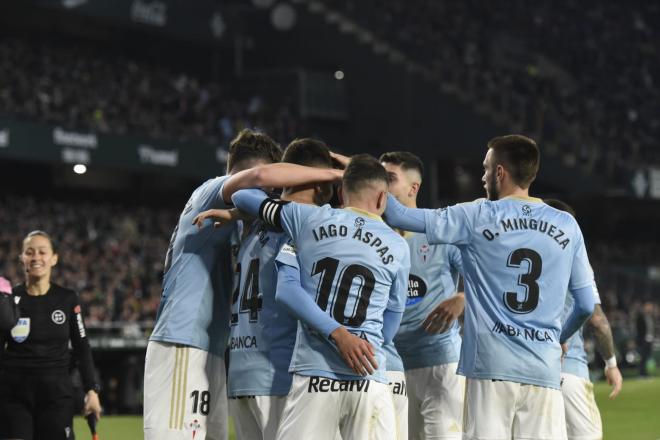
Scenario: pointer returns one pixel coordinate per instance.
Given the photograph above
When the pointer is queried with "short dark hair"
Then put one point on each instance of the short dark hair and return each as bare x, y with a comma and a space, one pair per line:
519, 155
252, 145
44, 234
309, 152
362, 170
562, 206
405, 159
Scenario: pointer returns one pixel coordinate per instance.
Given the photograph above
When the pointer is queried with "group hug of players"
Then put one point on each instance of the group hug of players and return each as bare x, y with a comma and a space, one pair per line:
337, 303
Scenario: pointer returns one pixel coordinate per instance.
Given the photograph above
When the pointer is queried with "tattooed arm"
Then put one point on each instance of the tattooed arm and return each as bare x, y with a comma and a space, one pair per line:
605, 345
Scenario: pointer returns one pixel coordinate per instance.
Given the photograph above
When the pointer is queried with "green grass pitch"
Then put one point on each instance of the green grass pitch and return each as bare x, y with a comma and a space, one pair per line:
634, 415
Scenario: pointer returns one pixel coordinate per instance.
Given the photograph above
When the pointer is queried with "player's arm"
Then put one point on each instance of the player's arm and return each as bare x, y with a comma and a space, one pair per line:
451, 309
220, 217
445, 314
605, 345
583, 307
356, 352
391, 323
450, 225
399, 216
9, 312
289, 217
396, 303
582, 288
277, 175
83, 353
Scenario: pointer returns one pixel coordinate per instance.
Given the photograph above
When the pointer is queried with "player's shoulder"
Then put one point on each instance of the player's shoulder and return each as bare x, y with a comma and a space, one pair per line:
473, 207
213, 181
399, 239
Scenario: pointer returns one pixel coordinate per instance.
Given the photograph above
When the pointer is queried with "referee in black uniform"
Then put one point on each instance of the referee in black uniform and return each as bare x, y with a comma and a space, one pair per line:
36, 393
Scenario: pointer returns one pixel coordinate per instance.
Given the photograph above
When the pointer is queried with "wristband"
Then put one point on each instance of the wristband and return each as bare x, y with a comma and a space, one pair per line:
610, 363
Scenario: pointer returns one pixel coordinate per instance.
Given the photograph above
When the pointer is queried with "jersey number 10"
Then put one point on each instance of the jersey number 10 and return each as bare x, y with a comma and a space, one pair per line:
328, 267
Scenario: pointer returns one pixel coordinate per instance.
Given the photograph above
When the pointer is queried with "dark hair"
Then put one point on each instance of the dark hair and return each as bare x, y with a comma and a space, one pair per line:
519, 155
308, 152
562, 206
405, 159
40, 233
362, 170
252, 145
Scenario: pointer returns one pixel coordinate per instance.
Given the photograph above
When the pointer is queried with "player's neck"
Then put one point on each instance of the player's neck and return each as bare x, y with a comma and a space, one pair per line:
514, 191
37, 286
362, 206
301, 196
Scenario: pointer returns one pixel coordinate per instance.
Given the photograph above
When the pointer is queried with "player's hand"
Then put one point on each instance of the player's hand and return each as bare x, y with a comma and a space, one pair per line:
220, 217
445, 314
5, 286
356, 352
92, 404
614, 378
338, 174
340, 159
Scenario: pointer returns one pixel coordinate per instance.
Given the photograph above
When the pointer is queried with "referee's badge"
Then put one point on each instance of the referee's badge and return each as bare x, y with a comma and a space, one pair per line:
58, 317
21, 330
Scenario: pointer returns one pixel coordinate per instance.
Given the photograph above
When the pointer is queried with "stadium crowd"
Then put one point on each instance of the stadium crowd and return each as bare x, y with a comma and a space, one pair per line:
582, 76
111, 255
81, 87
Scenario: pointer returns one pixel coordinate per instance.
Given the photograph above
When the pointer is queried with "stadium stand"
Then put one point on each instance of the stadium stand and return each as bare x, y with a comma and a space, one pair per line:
580, 76
87, 87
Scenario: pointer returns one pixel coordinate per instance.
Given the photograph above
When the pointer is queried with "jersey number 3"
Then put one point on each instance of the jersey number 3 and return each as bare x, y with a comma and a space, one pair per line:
526, 280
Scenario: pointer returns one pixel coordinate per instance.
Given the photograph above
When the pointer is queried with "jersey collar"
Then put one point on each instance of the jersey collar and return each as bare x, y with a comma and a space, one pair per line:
364, 213
524, 199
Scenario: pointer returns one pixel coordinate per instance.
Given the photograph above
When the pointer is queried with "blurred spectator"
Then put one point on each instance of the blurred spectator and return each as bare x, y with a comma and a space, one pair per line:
645, 335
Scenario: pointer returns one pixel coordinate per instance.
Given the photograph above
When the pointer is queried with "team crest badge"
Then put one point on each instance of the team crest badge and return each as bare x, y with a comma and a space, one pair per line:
359, 222
21, 330
424, 251
526, 210
193, 427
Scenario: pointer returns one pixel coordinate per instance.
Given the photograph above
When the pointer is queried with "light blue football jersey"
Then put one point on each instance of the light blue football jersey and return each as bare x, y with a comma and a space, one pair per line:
520, 256
434, 271
198, 276
575, 360
355, 267
262, 333
393, 361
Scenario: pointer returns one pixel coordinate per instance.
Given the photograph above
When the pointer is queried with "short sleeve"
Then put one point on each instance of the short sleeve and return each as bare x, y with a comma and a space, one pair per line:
399, 288
451, 225
288, 254
581, 273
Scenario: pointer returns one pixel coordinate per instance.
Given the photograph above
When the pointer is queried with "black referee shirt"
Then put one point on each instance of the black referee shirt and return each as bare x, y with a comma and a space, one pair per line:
39, 343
